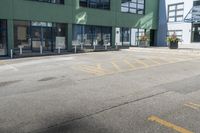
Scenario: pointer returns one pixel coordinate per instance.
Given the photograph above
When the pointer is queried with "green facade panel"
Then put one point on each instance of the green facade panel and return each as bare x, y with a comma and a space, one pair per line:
71, 13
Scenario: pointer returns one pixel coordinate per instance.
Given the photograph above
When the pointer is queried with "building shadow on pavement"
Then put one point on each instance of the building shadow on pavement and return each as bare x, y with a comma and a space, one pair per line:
80, 125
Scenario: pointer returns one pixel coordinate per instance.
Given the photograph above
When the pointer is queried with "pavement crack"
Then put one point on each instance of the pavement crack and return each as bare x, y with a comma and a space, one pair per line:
98, 112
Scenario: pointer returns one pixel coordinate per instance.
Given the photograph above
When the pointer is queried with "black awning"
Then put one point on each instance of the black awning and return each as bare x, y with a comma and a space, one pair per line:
194, 15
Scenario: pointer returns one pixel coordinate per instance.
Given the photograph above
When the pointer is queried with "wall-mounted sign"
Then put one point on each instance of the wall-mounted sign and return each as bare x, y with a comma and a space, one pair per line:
60, 42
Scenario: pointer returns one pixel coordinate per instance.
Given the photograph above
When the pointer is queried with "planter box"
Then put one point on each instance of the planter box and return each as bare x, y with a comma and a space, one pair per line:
143, 44
173, 45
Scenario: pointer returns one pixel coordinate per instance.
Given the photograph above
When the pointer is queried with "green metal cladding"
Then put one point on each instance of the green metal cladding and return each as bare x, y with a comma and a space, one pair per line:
71, 13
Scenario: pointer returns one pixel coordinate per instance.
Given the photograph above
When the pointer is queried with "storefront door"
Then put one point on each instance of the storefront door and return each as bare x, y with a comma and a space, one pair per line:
42, 39
196, 33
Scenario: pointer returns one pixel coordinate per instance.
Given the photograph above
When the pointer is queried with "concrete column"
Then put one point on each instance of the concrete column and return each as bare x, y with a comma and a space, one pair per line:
69, 37
113, 36
10, 34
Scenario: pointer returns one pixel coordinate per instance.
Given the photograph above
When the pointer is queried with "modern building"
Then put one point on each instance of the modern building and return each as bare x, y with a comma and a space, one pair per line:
48, 26
180, 17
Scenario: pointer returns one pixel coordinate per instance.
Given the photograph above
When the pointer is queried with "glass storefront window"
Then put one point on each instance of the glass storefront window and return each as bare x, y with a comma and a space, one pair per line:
99, 4
98, 36
60, 37
3, 37
128, 36
133, 6
88, 35
22, 35
51, 1
106, 35
140, 33
36, 35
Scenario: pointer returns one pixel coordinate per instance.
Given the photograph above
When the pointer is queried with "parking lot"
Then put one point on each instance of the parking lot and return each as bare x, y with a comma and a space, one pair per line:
137, 90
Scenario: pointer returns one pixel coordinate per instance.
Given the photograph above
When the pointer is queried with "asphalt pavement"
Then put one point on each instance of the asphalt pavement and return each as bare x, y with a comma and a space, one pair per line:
138, 90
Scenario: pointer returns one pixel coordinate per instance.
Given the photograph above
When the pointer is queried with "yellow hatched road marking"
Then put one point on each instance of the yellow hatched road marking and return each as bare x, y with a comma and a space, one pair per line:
129, 64
192, 105
168, 124
98, 70
141, 62
2, 62
197, 105
116, 66
155, 62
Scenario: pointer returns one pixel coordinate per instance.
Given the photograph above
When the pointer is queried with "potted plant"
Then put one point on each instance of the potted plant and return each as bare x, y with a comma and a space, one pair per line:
173, 41
143, 40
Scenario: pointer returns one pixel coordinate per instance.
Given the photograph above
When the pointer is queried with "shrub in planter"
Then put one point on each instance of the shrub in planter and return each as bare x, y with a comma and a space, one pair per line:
143, 41
173, 41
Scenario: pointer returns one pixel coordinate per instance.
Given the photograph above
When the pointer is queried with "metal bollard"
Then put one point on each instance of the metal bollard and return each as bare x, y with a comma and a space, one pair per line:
11, 53
41, 49
59, 50
116, 46
20, 49
75, 49
81, 46
106, 47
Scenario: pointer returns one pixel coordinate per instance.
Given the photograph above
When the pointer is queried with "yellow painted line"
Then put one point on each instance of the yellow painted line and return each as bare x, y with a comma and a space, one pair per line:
197, 105
93, 69
168, 124
92, 72
129, 64
155, 62
116, 66
141, 62
99, 67
2, 62
191, 106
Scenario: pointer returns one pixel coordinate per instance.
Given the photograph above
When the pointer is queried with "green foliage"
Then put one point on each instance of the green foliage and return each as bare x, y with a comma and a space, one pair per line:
173, 39
144, 38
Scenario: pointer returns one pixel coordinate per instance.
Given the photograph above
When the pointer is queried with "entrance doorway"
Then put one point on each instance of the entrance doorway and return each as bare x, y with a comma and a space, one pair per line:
41, 38
196, 33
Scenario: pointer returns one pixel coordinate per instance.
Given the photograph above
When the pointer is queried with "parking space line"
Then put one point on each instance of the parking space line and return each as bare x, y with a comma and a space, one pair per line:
116, 66
168, 124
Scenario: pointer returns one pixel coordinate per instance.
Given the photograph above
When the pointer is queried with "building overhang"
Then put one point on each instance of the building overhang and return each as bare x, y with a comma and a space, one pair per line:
193, 16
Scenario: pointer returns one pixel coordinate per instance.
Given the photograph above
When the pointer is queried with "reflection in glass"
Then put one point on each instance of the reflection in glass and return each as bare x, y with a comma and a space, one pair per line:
3, 37
125, 36
133, 6
128, 36
22, 35
34, 35
88, 35
196, 33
